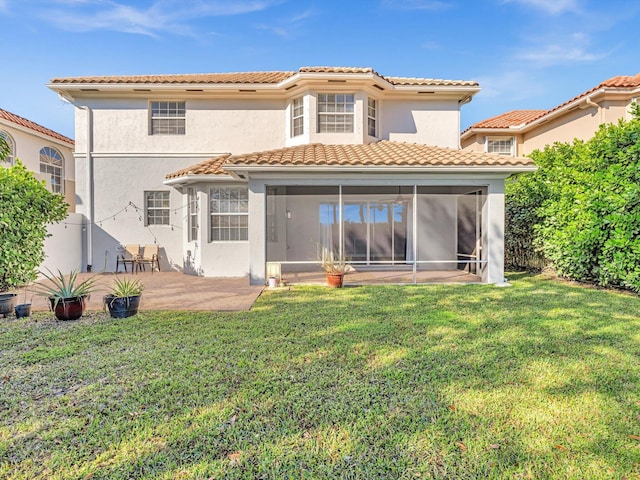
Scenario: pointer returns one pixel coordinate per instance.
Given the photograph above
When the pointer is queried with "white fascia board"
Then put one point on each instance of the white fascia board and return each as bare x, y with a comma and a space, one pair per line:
194, 178
502, 132
196, 155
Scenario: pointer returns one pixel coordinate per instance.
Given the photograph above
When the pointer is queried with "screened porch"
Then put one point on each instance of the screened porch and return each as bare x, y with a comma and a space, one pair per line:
389, 234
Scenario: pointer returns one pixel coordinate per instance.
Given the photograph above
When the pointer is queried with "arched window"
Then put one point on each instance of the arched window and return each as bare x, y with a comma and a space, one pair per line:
9, 159
51, 163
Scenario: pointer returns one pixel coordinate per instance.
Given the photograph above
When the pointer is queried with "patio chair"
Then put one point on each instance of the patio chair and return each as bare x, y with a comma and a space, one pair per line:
130, 256
149, 257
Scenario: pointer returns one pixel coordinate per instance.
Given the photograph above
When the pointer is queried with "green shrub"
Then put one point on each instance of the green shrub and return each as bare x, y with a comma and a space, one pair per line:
581, 209
26, 207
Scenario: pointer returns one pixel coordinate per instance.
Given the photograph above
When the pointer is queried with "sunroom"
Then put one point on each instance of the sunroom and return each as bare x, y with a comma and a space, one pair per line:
398, 212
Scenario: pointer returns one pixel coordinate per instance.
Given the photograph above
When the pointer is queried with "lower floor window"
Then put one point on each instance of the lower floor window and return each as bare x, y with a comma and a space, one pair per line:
156, 208
229, 210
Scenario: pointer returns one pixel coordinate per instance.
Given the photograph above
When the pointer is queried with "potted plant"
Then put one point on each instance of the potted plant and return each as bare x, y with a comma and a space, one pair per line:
24, 309
67, 296
7, 301
335, 267
124, 299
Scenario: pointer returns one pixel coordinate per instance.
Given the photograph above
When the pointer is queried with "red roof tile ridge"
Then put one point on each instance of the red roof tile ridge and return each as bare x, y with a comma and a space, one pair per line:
24, 122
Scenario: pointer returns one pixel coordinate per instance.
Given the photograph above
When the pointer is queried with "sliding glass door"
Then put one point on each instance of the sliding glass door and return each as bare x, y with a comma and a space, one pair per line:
375, 231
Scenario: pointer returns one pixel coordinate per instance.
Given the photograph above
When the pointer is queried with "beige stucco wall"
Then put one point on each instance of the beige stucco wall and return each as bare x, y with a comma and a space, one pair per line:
577, 124
28, 144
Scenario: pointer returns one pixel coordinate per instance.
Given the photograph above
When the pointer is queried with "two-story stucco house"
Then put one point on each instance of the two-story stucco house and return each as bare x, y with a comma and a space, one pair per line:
520, 132
47, 153
231, 173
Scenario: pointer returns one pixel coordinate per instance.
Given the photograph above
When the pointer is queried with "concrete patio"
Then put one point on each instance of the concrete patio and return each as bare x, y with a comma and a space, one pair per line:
170, 291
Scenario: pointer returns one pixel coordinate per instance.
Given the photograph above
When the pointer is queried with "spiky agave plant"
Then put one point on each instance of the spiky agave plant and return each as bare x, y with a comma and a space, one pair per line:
62, 288
123, 287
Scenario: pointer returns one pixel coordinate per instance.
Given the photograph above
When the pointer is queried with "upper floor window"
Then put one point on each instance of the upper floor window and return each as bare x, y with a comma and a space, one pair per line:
168, 118
156, 206
335, 112
501, 146
51, 163
297, 117
229, 210
372, 108
8, 160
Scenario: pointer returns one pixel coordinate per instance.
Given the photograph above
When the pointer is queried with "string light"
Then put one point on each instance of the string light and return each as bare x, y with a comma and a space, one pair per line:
124, 209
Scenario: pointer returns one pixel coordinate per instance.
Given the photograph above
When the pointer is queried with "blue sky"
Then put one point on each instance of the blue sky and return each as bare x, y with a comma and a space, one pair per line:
525, 53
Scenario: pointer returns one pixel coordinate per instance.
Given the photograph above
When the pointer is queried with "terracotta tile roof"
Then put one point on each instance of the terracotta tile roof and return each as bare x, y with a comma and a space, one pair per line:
23, 122
527, 116
380, 154
250, 78
192, 78
509, 119
623, 81
212, 166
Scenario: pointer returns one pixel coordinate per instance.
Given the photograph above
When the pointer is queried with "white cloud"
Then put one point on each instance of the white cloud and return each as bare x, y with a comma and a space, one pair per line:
431, 45
566, 49
416, 4
288, 27
560, 54
553, 7
159, 17
512, 85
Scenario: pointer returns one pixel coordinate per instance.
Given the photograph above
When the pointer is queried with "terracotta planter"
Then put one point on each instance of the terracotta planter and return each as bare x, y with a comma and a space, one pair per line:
69, 308
122, 307
334, 280
7, 302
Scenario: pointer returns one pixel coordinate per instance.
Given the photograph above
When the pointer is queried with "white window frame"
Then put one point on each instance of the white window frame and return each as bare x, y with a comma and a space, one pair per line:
192, 214
297, 117
167, 117
148, 209
9, 160
372, 117
500, 140
335, 106
52, 163
225, 210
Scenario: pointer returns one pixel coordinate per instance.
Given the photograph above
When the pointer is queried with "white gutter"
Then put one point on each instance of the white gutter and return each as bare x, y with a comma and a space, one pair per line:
194, 178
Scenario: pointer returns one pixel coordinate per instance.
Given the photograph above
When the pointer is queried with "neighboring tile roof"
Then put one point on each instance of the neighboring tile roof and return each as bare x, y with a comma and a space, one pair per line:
381, 154
622, 81
23, 122
509, 119
252, 78
520, 117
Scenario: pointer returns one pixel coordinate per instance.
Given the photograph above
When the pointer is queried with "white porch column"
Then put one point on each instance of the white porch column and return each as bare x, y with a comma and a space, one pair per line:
257, 229
494, 233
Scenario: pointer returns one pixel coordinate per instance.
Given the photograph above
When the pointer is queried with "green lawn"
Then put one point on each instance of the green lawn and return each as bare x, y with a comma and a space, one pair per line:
541, 380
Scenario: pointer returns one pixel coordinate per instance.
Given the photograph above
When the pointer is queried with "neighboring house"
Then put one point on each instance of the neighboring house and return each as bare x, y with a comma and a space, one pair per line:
48, 153
520, 132
227, 172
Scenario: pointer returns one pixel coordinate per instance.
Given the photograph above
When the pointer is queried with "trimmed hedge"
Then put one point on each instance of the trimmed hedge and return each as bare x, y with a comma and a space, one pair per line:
581, 209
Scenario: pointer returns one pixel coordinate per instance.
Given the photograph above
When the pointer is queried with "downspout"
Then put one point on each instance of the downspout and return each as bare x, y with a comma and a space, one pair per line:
462, 102
89, 186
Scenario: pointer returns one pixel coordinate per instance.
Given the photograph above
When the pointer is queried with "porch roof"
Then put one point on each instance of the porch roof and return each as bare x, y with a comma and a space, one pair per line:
381, 155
